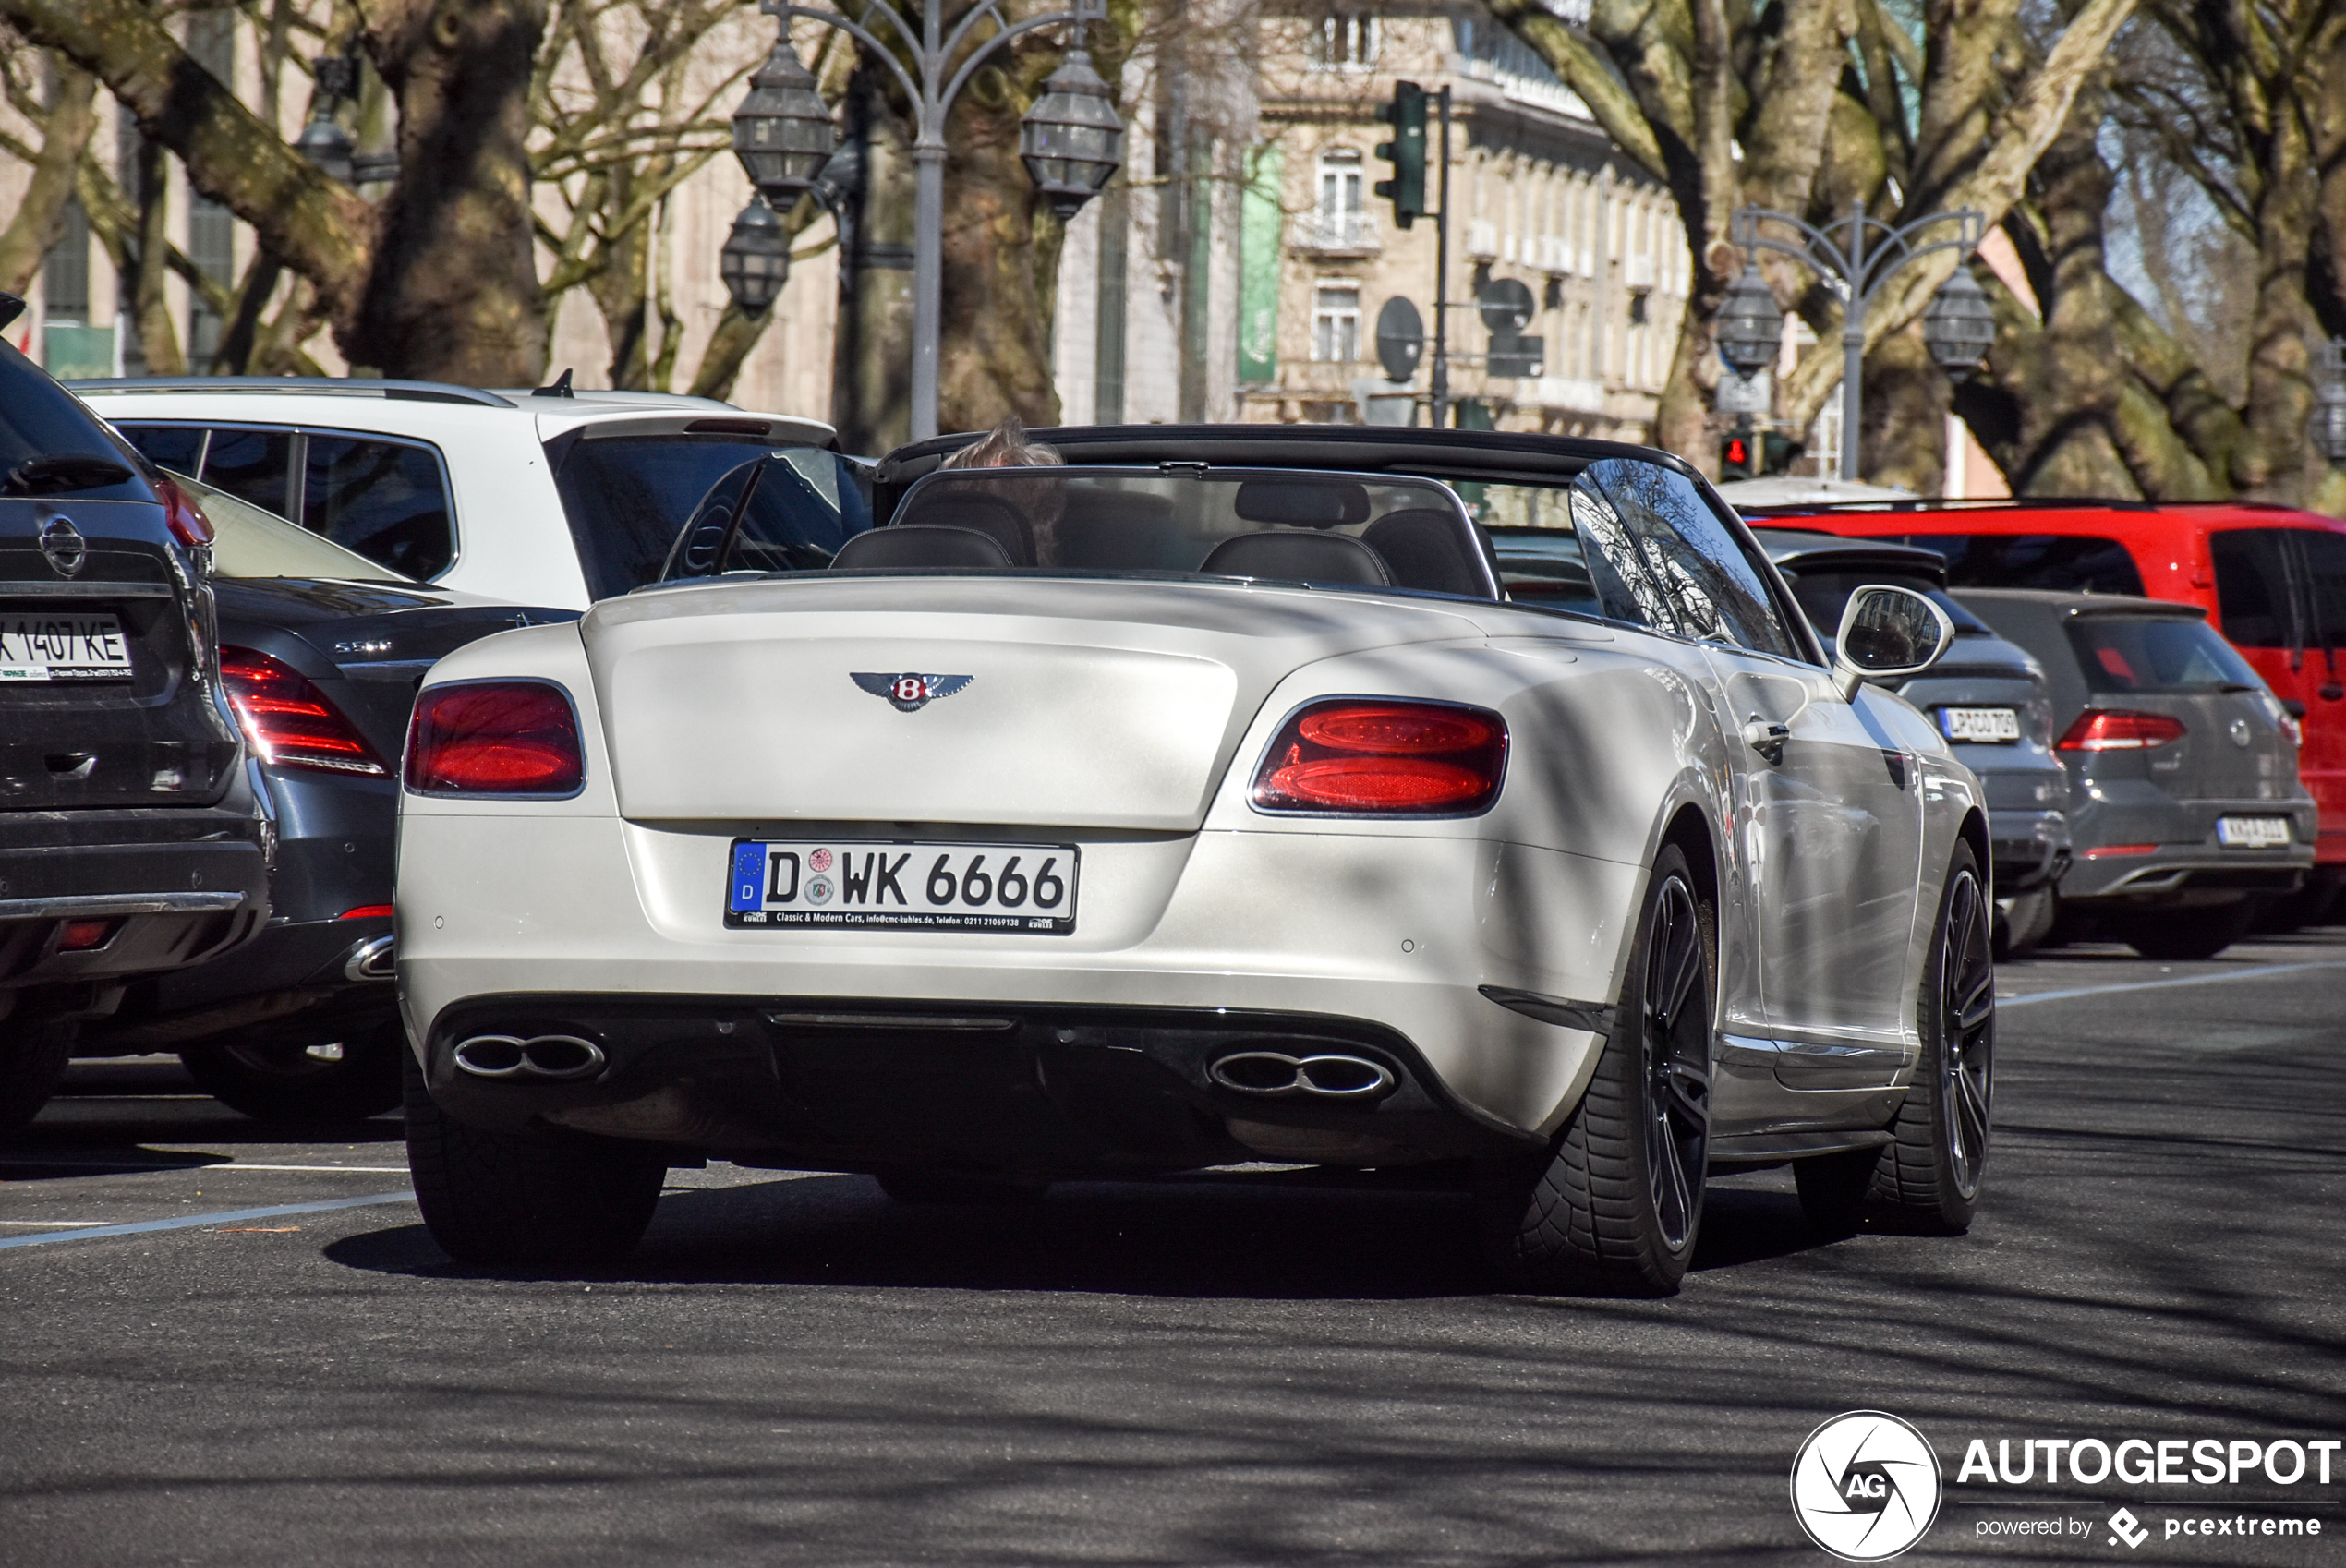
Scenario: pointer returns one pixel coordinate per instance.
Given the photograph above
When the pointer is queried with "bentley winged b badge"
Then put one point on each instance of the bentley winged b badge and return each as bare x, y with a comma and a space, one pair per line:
910, 693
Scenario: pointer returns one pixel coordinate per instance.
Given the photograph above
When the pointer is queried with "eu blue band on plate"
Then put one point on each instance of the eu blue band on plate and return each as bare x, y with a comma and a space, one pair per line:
749, 875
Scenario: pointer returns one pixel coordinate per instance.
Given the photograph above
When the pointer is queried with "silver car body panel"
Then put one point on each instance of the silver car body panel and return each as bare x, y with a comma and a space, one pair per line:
1128, 717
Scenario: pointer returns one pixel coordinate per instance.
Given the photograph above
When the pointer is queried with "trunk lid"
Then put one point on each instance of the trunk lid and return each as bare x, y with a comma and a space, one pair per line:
1084, 704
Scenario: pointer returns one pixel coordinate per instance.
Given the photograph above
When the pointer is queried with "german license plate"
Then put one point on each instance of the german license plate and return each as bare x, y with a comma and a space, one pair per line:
78, 645
1979, 724
2253, 832
850, 885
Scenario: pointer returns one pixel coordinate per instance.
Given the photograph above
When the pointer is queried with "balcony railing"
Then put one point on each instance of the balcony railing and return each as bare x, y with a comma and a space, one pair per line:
1334, 233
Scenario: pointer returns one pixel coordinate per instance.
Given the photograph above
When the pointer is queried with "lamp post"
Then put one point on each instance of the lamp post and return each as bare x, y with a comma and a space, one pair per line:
1071, 140
1860, 261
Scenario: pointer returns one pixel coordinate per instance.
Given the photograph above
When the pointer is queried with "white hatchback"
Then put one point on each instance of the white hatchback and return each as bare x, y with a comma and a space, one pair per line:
549, 498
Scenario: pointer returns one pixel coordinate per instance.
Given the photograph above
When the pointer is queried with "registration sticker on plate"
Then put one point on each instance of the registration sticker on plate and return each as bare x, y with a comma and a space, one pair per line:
1979, 724
2253, 832
859, 885
80, 647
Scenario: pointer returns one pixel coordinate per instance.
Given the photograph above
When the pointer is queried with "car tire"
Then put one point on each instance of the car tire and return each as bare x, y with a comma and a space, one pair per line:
1617, 1205
499, 1199
32, 1063
2186, 935
1927, 1178
286, 1084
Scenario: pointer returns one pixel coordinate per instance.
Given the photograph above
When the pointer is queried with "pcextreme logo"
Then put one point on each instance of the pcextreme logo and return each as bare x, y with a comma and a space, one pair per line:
1865, 1486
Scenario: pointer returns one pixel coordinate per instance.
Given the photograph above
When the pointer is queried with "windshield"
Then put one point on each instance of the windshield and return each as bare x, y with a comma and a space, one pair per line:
628, 497
2073, 563
2160, 654
250, 541
1360, 530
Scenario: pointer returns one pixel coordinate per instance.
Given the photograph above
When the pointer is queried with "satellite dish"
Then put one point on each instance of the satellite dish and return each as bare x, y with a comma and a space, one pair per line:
1506, 304
1400, 339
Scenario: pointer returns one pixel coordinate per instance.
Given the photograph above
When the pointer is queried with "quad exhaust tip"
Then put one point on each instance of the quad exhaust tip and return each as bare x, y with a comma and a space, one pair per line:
1325, 1075
541, 1055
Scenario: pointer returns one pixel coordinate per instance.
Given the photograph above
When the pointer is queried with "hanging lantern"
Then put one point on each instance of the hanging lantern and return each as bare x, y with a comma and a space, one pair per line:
1960, 327
1750, 329
326, 144
1071, 140
2327, 432
782, 132
755, 262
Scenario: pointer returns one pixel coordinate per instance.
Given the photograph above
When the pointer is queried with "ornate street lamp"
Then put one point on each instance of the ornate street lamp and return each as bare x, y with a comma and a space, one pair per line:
782, 132
323, 141
1071, 140
2328, 428
755, 262
1860, 261
1960, 327
1750, 329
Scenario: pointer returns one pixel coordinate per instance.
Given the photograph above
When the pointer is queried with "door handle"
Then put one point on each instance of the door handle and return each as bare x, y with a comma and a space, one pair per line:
1765, 738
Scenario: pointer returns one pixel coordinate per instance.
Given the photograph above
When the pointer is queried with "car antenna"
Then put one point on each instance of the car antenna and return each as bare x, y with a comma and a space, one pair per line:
560, 389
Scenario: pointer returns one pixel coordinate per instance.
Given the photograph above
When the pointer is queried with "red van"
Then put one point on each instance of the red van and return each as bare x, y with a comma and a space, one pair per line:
2272, 580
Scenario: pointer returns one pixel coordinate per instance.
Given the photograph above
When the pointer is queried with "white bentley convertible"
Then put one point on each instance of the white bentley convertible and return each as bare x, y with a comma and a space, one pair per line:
1122, 818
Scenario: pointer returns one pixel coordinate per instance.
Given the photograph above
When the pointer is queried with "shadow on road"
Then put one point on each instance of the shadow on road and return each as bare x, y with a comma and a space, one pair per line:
1211, 1235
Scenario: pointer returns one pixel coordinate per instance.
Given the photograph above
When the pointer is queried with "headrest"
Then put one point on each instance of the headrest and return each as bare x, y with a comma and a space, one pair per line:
922, 545
1299, 558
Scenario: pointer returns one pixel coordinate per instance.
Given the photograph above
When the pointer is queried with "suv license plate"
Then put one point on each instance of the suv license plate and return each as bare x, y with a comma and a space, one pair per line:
2253, 832
849, 885
1976, 724
81, 647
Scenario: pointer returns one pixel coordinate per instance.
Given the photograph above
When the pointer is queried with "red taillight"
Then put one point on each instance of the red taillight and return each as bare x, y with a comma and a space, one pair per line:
2118, 729
185, 519
2104, 851
366, 912
81, 935
495, 738
289, 721
1361, 757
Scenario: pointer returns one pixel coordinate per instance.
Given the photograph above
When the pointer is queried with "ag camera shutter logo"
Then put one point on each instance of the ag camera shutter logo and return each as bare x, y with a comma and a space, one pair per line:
1865, 1486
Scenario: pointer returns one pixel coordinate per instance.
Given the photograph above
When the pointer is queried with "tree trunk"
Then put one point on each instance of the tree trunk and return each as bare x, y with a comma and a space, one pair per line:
39, 220
453, 293
1001, 249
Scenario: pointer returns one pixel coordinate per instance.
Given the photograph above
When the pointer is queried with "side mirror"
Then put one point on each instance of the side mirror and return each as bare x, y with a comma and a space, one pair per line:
1887, 632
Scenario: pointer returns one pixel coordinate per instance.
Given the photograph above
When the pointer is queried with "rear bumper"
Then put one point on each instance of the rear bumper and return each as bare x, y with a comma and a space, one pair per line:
1027, 1090
2029, 848
297, 983
176, 886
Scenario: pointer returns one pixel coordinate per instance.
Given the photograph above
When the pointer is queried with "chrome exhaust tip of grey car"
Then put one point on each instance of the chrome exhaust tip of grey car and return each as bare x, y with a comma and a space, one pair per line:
541, 1056
372, 960
1325, 1075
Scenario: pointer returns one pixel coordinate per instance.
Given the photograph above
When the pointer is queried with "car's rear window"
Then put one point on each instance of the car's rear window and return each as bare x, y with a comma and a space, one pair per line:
628, 497
40, 418
2075, 563
2157, 654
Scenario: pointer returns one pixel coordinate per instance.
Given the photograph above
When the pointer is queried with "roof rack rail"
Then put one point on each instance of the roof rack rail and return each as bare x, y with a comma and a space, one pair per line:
332, 386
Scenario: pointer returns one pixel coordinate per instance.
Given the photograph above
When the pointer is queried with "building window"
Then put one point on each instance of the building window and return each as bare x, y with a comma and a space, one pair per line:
1338, 221
1346, 41
1335, 321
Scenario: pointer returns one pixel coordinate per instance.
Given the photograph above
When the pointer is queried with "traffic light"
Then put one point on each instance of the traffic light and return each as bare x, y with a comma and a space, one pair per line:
1406, 153
1739, 453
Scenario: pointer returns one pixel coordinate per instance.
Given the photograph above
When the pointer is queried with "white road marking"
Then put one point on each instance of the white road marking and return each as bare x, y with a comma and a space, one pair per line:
60, 1225
226, 1217
129, 1165
2257, 973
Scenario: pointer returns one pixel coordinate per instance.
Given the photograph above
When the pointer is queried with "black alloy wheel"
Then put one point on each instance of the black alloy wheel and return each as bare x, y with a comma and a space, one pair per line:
1678, 1051
1966, 970
1927, 1178
1615, 1205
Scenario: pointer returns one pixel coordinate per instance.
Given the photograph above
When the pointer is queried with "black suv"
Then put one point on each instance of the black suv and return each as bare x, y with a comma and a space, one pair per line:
132, 837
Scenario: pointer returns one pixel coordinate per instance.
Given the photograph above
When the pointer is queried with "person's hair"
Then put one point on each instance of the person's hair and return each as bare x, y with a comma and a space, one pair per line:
1005, 446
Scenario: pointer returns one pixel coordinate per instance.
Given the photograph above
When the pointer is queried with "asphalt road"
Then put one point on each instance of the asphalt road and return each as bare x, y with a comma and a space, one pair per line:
1254, 1368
